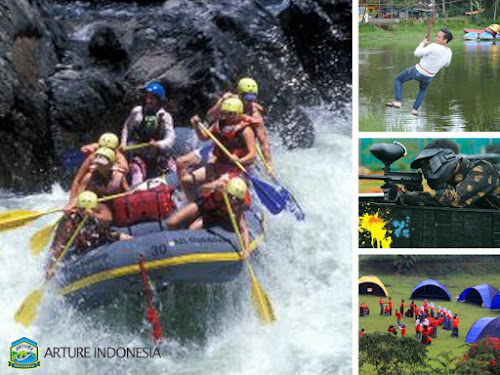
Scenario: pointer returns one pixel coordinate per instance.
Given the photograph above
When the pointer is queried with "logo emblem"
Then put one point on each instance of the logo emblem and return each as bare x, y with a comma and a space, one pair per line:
24, 354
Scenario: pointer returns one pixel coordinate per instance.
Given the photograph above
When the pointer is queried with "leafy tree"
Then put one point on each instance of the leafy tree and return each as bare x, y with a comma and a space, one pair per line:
390, 354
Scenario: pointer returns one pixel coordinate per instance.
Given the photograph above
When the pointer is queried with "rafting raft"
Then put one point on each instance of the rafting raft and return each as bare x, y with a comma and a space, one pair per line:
473, 34
209, 255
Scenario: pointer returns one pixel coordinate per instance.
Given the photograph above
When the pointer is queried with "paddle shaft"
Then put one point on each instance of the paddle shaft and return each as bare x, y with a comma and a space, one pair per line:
233, 221
137, 146
69, 243
221, 146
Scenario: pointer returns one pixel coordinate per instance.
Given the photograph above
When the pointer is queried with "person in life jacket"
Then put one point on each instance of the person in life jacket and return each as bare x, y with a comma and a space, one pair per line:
210, 209
120, 166
98, 178
96, 231
235, 133
247, 90
149, 123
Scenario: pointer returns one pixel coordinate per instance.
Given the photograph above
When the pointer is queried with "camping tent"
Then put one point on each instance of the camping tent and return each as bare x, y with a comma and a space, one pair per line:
430, 289
481, 294
495, 302
372, 285
483, 327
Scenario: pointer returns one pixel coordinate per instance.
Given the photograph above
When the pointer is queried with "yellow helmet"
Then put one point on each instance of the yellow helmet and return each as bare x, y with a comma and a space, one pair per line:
87, 200
247, 86
237, 187
108, 153
232, 105
109, 140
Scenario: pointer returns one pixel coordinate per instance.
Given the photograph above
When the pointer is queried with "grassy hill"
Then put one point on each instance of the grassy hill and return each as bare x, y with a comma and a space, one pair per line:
456, 273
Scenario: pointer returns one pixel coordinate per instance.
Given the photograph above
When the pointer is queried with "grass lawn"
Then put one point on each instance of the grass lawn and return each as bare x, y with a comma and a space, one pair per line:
413, 31
400, 287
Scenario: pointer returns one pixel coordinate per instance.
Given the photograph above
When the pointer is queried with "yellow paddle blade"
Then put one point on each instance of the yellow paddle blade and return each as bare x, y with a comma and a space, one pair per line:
25, 314
41, 238
260, 299
14, 213
18, 219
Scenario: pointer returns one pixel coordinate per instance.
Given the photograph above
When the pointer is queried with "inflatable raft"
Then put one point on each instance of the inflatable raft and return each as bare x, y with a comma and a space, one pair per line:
182, 256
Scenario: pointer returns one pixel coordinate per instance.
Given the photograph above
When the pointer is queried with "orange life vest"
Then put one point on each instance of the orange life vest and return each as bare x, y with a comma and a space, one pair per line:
231, 136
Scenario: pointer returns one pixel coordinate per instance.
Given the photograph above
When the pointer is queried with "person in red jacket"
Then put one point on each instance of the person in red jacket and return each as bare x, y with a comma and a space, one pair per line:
418, 329
390, 306
402, 307
398, 317
455, 321
381, 303
435, 323
403, 330
235, 133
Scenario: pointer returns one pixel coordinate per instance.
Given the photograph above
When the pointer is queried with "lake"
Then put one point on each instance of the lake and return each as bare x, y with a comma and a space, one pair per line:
462, 97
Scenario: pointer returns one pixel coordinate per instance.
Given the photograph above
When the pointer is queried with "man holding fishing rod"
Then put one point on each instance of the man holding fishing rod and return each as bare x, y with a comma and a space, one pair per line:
434, 56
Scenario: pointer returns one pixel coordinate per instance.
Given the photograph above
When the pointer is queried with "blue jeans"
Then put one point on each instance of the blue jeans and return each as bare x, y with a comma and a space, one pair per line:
407, 75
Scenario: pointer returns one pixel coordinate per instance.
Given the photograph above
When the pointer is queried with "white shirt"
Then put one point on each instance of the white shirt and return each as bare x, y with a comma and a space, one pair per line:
433, 57
164, 119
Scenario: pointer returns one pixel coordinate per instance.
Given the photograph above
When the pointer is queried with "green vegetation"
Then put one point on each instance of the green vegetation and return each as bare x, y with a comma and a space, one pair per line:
412, 32
400, 274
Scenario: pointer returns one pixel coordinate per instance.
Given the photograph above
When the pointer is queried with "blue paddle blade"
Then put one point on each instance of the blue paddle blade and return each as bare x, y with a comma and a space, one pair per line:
294, 208
72, 158
268, 196
291, 203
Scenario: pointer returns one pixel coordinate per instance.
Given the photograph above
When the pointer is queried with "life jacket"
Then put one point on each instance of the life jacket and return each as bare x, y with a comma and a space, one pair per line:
149, 128
231, 136
93, 234
212, 203
98, 183
147, 205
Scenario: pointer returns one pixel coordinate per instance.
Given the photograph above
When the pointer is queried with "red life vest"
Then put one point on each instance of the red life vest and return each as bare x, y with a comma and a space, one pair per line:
148, 205
231, 136
213, 203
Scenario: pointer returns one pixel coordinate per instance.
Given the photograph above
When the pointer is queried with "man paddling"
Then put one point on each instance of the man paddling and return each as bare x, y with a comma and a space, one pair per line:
434, 56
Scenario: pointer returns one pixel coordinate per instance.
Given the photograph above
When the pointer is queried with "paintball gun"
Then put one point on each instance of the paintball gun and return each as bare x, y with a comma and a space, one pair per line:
388, 153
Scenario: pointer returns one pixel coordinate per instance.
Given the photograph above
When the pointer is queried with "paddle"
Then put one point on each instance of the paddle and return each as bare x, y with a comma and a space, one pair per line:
292, 203
19, 218
41, 238
260, 298
269, 197
73, 158
26, 313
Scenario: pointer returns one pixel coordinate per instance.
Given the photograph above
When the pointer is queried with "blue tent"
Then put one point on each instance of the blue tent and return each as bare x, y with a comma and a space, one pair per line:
483, 327
481, 294
495, 302
430, 289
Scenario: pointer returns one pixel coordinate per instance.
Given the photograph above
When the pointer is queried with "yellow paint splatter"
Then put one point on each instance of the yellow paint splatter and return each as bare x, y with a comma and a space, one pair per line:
375, 225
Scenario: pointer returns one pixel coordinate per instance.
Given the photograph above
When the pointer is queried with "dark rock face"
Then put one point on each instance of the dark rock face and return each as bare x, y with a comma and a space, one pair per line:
29, 46
72, 70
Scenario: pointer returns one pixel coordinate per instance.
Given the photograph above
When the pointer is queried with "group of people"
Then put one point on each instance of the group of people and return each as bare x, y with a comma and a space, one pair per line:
113, 166
427, 319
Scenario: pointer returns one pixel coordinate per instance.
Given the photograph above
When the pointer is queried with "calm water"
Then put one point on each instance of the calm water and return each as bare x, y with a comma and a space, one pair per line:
462, 97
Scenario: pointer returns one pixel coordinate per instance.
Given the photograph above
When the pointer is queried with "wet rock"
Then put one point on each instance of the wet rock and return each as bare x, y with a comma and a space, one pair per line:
29, 47
71, 70
106, 47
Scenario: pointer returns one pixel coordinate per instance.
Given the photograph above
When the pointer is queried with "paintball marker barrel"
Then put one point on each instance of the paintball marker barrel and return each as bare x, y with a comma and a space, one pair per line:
388, 153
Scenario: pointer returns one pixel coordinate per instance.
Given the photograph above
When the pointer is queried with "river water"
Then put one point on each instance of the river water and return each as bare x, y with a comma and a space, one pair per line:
462, 97
304, 267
